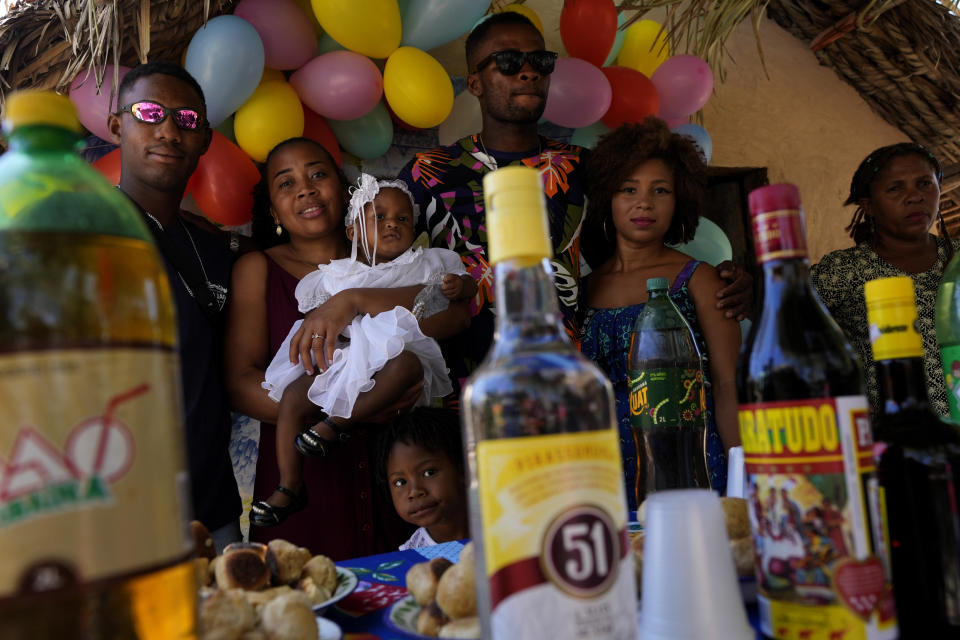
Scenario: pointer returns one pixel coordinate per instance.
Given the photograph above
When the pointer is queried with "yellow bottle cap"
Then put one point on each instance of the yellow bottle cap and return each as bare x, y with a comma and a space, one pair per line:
892, 318
516, 215
34, 106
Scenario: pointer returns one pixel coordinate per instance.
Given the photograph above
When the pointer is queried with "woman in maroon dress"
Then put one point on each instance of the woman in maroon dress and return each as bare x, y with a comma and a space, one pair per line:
303, 197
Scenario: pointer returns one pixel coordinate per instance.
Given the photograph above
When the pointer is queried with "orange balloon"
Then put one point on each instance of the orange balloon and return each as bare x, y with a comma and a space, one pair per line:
634, 96
224, 187
109, 166
316, 128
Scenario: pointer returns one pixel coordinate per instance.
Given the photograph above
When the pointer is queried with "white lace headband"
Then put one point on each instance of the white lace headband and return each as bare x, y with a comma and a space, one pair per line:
366, 190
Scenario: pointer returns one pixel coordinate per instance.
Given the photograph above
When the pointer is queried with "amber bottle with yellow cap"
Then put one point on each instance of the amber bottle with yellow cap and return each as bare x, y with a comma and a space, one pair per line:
548, 510
93, 485
918, 469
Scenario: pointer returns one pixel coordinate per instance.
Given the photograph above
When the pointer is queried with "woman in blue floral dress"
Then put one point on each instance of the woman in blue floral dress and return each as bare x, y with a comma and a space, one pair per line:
646, 189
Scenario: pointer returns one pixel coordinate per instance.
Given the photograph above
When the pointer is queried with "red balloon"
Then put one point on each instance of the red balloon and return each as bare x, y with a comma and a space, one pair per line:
634, 96
588, 29
224, 182
316, 128
109, 166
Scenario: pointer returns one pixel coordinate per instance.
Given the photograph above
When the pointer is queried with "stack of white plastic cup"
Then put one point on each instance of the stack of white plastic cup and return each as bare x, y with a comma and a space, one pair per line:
690, 589
736, 475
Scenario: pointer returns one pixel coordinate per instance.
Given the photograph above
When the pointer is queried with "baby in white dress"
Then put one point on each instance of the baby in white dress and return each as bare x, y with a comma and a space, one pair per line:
380, 221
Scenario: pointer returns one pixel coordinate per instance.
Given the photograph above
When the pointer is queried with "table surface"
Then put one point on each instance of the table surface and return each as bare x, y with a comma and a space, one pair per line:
382, 583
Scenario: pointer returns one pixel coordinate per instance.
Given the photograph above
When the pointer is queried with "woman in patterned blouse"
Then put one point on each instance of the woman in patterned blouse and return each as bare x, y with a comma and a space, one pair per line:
897, 193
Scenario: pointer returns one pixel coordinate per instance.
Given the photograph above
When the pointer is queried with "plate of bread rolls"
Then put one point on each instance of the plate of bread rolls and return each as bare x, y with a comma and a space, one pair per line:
442, 601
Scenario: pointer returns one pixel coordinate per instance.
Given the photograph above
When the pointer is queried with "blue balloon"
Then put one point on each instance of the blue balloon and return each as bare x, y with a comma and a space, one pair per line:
430, 23
587, 136
699, 135
618, 42
226, 57
367, 137
710, 244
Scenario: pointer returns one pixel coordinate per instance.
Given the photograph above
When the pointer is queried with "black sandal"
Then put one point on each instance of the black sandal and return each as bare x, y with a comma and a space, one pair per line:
264, 514
312, 444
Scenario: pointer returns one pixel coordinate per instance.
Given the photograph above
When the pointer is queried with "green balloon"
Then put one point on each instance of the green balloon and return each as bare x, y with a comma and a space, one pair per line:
366, 137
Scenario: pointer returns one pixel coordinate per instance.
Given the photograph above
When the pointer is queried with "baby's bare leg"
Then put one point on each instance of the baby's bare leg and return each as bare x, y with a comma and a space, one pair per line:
295, 411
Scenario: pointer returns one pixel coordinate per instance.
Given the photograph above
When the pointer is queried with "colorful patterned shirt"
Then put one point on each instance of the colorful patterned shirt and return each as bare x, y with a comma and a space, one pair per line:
447, 184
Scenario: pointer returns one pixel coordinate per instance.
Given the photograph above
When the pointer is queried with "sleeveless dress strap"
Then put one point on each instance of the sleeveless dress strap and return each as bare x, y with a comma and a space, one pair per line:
681, 280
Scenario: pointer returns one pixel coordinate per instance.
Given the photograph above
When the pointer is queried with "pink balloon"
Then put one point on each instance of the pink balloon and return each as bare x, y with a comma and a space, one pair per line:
286, 31
579, 94
673, 123
684, 83
92, 107
341, 85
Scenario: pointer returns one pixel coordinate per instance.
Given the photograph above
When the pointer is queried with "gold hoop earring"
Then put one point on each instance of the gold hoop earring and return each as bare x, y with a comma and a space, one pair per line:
606, 234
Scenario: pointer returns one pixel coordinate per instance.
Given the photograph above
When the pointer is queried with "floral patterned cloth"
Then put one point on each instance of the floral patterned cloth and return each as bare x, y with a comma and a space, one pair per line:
606, 341
447, 184
839, 278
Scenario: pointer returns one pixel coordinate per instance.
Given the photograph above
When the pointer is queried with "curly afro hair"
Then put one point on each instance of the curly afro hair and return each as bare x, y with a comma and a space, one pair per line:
615, 157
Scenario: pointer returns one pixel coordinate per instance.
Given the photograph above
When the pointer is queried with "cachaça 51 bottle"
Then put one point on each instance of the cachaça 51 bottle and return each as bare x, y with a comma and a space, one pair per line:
668, 409
918, 466
547, 505
815, 511
93, 487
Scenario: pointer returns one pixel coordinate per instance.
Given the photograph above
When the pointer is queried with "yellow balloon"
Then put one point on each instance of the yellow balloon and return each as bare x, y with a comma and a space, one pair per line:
271, 115
417, 87
272, 75
527, 13
639, 50
370, 27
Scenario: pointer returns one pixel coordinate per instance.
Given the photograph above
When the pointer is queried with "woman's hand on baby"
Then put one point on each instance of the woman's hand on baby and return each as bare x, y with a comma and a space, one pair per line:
316, 339
735, 298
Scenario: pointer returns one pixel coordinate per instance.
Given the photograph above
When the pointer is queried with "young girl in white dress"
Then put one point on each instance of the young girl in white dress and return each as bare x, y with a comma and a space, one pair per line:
380, 222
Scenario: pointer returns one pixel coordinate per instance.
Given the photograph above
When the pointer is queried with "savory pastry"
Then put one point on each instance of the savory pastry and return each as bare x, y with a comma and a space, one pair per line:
258, 547
315, 592
462, 628
259, 599
202, 568
323, 572
285, 561
226, 615
422, 579
456, 594
289, 617
203, 546
242, 569
431, 619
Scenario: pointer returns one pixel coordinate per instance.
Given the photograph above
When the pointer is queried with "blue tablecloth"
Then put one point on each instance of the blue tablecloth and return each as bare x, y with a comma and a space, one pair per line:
361, 614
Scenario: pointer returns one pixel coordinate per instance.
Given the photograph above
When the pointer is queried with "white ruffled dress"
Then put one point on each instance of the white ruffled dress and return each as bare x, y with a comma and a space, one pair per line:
370, 341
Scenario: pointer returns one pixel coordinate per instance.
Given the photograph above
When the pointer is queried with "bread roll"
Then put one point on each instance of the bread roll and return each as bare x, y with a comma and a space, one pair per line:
202, 567
323, 572
743, 555
462, 628
422, 579
285, 561
243, 569
736, 516
259, 599
203, 546
289, 617
315, 592
258, 547
456, 593
430, 620
226, 615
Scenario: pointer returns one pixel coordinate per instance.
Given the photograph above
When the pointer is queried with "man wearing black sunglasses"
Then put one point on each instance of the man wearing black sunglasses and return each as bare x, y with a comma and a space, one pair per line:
162, 131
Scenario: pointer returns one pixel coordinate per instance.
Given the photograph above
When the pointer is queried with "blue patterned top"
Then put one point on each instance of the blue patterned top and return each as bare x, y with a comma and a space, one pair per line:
606, 341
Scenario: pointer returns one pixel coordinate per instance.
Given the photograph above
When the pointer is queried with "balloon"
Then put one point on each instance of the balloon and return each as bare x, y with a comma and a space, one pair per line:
93, 107
366, 137
316, 128
272, 75
342, 85
271, 115
371, 27
226, 57
109, 166
431, 23
311, 18
417, 87
579, 94
226, 128
527, 13
618, 41
588, 29
587, 136
710, 244
634, 96
464, 119
224, 186
673, 123
644, 47
700, 136
326, 44
288, 39
684, 84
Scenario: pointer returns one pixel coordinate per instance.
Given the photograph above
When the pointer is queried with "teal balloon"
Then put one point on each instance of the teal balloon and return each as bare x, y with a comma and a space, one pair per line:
587, 136
226, 128
699, 135
427, 24
618, 42
326, 44
710, 244
368, 136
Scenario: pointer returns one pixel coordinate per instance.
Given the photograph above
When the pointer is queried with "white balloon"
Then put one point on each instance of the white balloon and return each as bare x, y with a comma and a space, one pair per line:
464, 119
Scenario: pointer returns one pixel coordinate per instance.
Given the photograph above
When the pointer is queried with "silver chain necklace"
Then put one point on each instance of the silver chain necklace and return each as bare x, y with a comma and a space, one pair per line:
193, 244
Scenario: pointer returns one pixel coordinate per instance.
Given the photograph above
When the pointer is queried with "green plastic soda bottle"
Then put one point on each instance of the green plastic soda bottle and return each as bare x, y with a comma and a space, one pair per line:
947, 320
93, 487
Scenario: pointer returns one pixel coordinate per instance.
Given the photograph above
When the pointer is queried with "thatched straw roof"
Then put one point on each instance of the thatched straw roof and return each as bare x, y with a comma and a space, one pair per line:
900, 55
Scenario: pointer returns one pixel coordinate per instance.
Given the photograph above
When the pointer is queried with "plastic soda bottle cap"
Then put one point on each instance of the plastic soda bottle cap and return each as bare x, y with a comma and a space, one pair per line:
657, 284
34, 106
892, 318
774, 197
516, 215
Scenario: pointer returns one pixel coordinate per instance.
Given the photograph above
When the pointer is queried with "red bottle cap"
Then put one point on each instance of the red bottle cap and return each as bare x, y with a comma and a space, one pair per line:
774, 197
778, 231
